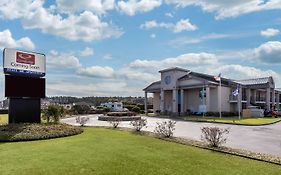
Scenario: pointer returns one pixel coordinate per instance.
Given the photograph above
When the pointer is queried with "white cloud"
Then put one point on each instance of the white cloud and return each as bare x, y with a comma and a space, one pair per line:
140, 75
198, 39
239, 72
149, 24
107, 56
190, 59
131, 7
184, 24
270, 32
96, 71
90, 89
14, 9
61, 61
180, 26
86, 26
96, 6
87, 52
169, 15
7, 40
269, 52
228, 8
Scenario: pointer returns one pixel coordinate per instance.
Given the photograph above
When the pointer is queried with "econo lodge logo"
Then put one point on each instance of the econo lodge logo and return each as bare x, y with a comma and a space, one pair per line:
25, 58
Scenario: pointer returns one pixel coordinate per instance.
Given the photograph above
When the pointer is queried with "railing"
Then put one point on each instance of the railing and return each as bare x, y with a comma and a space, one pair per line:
258, 99
235, 98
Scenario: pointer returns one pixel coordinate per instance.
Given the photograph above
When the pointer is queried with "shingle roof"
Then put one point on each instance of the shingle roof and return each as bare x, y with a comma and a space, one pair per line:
174, 68
153, 86
253, 81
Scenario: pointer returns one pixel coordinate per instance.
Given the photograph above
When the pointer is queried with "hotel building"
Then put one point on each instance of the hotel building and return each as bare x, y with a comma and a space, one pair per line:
180, 91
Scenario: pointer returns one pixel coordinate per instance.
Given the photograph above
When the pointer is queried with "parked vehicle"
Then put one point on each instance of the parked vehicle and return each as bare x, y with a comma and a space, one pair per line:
256, 111
272, 113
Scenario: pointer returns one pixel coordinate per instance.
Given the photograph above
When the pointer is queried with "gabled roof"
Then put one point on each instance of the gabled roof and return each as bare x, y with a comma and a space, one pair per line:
153, 86
254, 81
206, 77
174, 68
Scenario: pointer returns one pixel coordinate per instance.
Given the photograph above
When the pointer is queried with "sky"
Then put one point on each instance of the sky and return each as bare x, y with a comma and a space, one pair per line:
116, 48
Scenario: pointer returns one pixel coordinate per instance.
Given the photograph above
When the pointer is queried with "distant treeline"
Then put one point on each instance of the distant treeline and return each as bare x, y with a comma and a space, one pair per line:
96, 101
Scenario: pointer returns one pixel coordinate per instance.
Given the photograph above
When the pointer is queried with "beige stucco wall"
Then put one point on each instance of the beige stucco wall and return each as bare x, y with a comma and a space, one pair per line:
213, 100
214, 104
192, 100
174, 77
225, 92
156, 101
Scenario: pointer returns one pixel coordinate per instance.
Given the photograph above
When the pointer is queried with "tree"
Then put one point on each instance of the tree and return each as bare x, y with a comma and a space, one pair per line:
136, 109
81, 109
53, 112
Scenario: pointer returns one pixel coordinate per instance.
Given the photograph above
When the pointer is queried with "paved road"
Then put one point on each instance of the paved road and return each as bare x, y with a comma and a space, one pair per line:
263, 139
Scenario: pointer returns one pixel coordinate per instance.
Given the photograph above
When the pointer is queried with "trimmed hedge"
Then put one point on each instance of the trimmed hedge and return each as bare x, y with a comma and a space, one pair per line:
120, 114
4, 111
28, 131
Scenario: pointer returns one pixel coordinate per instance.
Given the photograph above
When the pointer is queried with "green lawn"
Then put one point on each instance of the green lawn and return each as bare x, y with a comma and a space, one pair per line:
3, 119
106, 151
231, 120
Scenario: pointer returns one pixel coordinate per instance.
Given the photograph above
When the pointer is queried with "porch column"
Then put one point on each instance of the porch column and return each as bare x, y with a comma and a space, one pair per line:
267, 98
207, 98
273, 98
239, 100
255, 95
248, 96
219, 99
162, 100
145, 103
175, 101
182, 101
277, 100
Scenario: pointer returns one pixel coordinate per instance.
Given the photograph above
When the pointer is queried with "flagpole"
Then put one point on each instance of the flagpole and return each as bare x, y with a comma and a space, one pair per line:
203, 99
220, 97
238, 101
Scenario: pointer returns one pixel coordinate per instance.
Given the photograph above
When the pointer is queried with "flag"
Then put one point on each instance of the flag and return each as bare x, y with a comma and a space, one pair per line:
236, 91
218, 78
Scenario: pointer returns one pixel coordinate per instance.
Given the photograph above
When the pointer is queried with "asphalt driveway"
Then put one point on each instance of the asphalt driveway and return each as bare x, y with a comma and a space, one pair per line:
263, 139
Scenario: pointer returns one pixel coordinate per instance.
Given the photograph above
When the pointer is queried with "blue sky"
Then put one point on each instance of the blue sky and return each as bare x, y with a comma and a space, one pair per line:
116, 48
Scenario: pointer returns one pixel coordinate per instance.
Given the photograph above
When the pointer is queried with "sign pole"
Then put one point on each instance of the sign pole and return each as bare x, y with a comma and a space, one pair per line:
220, 98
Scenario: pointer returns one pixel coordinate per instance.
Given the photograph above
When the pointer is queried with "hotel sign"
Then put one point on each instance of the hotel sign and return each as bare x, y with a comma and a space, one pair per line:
17, 62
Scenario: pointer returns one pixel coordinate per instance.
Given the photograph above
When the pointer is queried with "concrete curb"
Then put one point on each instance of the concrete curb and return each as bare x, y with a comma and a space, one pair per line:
199, 121
263, 124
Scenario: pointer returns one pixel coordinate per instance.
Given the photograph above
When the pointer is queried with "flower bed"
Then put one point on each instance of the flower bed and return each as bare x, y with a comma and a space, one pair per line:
28, 131
118, 118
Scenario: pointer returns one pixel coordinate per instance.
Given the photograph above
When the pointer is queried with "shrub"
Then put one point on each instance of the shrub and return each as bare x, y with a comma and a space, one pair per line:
119, 114
53, 113
35, 131
129, 107
114, 123
81, 109
106, 109
165, 129
136, 109
82, 120
214, 136
139, 124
